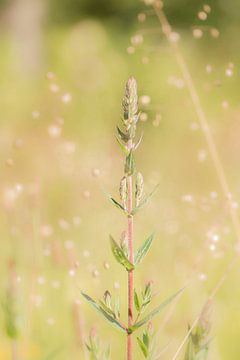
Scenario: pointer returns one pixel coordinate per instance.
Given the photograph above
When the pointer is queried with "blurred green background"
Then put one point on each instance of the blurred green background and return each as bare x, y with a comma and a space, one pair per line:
64, 65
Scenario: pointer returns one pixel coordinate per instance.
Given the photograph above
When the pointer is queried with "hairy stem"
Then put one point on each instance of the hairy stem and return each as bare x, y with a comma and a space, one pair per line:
130, 273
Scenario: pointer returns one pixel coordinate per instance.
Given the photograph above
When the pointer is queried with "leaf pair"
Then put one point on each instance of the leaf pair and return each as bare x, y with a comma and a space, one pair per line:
154, 312
138, 324
142, 301
121, 257
141, 203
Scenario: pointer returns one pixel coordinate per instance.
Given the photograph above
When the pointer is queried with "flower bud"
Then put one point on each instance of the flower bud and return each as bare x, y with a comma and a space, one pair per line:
139, 188
148, 290
130, 105
107, 299
123, 190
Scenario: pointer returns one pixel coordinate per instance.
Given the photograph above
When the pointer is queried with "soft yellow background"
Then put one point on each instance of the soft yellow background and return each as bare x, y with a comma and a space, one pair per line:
54, 213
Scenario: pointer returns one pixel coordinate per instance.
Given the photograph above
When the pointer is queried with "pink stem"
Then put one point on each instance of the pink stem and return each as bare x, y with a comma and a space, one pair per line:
130, 273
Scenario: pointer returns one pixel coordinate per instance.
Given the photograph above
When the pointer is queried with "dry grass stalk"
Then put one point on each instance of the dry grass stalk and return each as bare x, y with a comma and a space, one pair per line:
167, 30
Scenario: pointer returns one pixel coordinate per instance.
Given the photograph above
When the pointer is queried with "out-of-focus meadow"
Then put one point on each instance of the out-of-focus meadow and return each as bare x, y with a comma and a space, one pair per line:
63, 66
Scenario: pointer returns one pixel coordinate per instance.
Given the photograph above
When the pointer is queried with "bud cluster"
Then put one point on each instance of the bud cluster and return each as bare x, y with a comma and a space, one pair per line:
130, 104
130, 113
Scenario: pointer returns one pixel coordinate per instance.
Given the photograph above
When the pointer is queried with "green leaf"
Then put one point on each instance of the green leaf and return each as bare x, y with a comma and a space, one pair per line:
106, 309
130, 164
144, 200
123, 136
136, 301
143, 347
115, 203
143, 250
103, 312
154, 312
146, 339
122, 146
120, 256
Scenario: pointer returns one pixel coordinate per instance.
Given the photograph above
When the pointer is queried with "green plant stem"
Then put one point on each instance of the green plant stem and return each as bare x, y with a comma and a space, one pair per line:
130, 273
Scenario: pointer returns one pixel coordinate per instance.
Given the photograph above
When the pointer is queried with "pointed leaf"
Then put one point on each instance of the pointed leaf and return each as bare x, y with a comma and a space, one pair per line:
122, 146
143, 347
146, 339
143, 250
123, 136
116, 203
130, 164
144, 201
113, 201
106, 309
120, 256
136, 301
104, 313
154, 312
